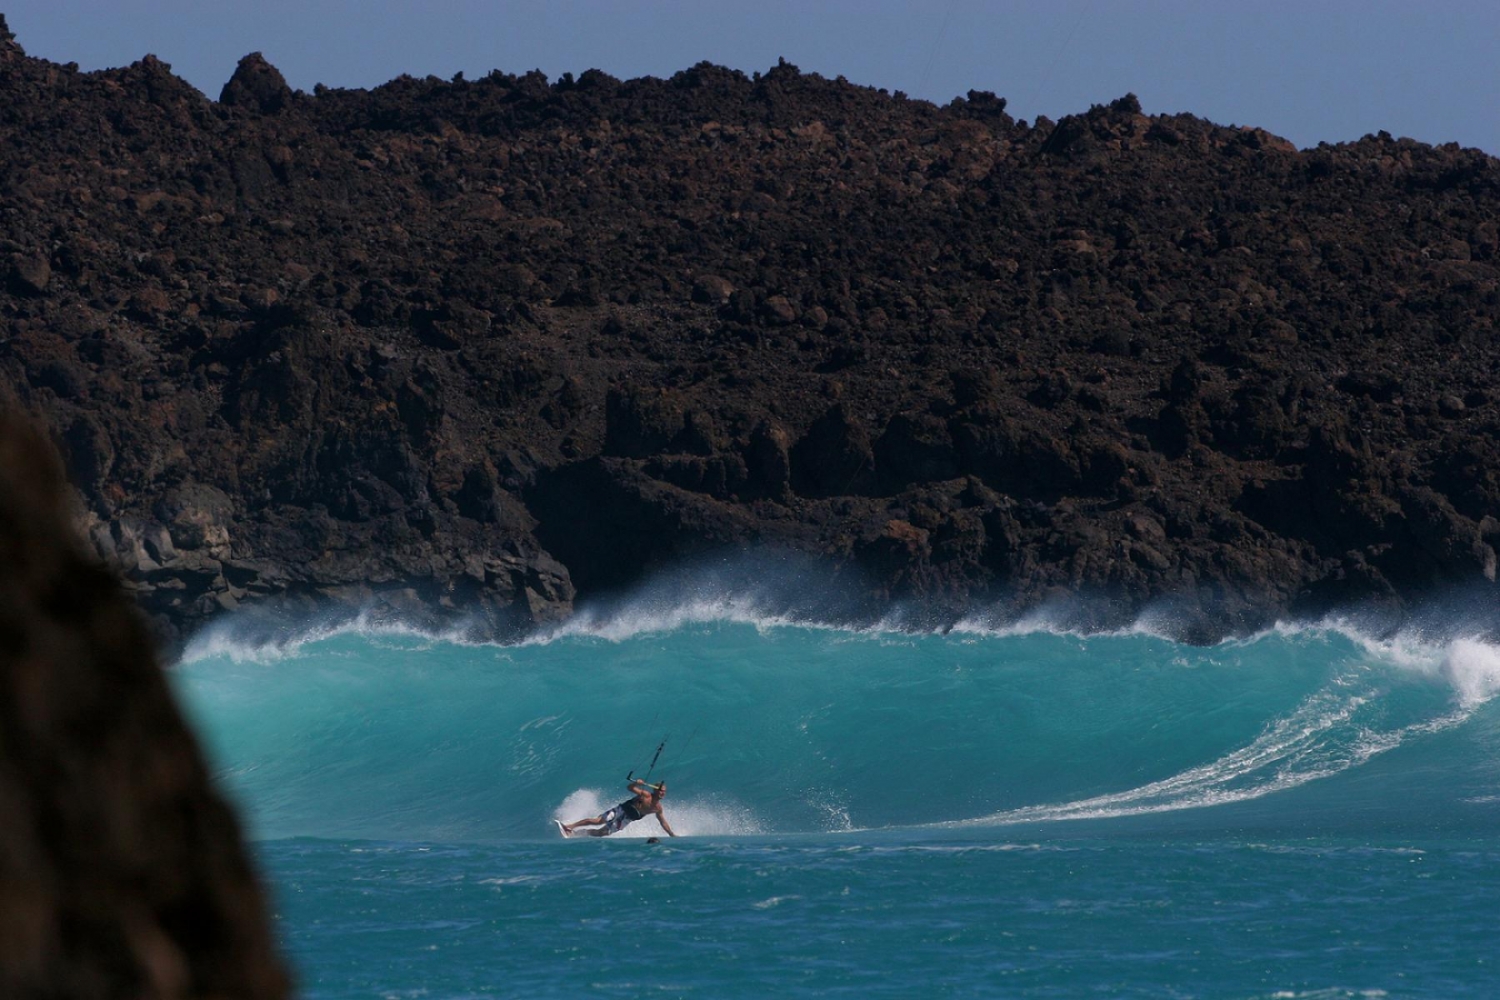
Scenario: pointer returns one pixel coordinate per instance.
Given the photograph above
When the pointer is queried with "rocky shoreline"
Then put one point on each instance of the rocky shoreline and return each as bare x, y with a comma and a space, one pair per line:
490, 348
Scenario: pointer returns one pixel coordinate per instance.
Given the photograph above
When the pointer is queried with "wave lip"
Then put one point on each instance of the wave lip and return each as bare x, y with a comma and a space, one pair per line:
256, 639
1468, 664
651, 617
1473, 668
780, 590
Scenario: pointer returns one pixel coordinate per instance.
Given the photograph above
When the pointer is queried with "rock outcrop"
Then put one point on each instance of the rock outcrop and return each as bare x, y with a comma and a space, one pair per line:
121, 871
490, 346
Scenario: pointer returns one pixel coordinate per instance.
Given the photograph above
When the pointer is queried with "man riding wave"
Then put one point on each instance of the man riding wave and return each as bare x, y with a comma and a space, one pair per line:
646, 801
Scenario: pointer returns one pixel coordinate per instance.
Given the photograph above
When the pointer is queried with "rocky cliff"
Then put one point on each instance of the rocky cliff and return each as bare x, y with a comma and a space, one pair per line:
493, 346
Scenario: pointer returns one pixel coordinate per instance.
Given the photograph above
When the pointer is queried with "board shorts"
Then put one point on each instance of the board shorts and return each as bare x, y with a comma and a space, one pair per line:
617, 819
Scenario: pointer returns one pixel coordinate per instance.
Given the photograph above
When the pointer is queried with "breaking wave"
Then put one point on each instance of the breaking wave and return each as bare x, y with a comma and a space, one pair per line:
777, 721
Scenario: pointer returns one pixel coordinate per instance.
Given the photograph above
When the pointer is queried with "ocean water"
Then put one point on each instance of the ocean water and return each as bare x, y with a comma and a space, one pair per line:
988, 812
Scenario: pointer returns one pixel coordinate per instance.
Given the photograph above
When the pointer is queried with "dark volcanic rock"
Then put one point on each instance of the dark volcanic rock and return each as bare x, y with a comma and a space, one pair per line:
475, 344
30, 274
121, 871
258, 85
834, 457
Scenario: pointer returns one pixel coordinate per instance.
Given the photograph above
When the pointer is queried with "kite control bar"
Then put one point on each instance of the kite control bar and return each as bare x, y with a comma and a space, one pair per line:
657, 756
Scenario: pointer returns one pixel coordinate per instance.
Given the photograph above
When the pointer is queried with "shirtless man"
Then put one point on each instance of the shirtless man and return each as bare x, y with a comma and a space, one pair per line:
646, 802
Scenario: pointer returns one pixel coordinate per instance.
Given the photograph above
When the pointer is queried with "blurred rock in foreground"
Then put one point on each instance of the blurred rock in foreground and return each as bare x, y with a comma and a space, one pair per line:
122, 873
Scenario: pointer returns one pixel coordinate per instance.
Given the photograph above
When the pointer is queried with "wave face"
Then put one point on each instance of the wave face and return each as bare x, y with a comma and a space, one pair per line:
774, 727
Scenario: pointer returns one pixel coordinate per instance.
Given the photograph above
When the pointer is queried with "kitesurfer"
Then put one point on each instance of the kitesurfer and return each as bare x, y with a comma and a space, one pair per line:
647, 801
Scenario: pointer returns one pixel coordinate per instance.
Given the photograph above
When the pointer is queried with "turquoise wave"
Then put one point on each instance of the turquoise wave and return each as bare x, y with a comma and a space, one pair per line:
779, 727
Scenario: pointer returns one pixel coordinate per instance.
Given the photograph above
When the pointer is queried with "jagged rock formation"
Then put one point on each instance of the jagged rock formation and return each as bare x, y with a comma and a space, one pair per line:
121, 870
494, 344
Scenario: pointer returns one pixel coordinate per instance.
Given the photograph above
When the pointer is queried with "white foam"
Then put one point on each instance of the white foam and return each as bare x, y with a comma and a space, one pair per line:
1473, 668
773, 902
222, 644
836, 817
1060, 619
1293, 751
1469, 665
689, 818
988, 626
651, 618
226, 641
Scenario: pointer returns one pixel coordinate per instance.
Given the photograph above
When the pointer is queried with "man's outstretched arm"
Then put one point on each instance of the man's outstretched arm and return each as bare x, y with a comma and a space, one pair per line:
661, 818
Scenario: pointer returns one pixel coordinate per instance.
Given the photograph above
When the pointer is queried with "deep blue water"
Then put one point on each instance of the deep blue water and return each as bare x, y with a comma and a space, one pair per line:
1015, 813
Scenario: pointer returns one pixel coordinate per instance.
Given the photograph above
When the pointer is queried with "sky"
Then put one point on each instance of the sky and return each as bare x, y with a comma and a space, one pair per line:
1311, 71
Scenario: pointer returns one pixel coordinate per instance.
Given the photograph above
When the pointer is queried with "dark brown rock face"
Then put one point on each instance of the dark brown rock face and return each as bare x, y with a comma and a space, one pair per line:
257, 85
485, 346
121, 871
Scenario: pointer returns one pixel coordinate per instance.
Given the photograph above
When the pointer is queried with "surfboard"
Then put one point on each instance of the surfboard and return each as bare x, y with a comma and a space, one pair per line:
562, 829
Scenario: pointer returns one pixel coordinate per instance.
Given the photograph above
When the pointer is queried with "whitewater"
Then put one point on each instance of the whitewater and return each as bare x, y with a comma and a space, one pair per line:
992, 809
